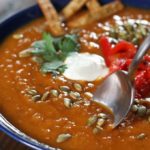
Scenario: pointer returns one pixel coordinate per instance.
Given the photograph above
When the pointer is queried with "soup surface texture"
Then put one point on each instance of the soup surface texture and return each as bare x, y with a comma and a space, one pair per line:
68, 118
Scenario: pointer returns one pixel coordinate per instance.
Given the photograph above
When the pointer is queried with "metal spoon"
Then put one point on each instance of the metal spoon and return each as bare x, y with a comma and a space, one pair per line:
117, 92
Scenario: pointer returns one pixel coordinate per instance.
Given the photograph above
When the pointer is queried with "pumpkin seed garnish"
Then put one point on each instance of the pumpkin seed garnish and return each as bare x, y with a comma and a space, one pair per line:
32, 92
88, 94
78, 87
141, 136
45, 96
67, 102
36, 98
64, 88
92, 120
90, 85
63, 137
102, 115
18, 36
87, 103
54, 93
134, 108
77, 103
74, 95
141, 111
100, 122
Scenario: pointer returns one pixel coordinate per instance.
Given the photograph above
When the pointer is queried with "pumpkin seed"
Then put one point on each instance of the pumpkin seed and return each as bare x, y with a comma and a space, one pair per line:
78, 87
64, 88
63, 137
90, 85
134, 108
92, 120
45, 96
18, 36
88, 94
67, 102
142, 30
77, 103
74, 95
87, 103
100, 122
32, 92
25, 53
141, 136
54, 93
141, 111
97, 130
122, 35
128, 27
102, 115
36, 97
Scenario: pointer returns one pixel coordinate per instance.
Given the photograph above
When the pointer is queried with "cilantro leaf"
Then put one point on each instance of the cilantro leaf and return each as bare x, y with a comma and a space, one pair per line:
68, 44
49, 46
53, 51
53, 67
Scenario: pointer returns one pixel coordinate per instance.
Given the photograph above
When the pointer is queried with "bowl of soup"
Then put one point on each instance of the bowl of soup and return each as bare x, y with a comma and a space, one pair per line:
50, 66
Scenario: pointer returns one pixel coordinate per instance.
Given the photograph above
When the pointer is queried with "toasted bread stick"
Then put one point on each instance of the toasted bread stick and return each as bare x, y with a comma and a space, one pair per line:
104, 12
93, 6
72, 8
52, 17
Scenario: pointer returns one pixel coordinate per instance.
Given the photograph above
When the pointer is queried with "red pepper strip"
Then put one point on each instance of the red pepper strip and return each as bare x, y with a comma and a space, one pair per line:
105, 48
124, 47
123, 50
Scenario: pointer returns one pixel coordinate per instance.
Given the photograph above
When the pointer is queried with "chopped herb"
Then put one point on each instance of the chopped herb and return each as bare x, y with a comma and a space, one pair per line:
53, 51
54, 67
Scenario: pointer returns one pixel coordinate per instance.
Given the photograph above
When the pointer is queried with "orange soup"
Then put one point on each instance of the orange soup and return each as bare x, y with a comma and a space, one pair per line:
59, 111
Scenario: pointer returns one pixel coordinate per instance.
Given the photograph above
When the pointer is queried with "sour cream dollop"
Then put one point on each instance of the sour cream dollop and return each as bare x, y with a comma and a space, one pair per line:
85, 66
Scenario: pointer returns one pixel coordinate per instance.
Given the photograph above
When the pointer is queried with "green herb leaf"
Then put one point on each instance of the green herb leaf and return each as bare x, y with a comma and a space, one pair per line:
54, 67
53, 51
68, 44
49, 46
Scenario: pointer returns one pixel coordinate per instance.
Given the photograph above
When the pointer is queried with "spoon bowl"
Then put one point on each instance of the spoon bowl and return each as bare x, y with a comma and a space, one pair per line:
117, 91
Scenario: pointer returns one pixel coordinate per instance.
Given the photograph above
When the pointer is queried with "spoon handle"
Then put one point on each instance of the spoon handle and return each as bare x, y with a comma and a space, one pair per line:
139, 55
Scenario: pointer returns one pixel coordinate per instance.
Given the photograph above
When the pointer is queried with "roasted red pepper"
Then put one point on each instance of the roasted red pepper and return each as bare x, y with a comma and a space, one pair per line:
119, 57
123, 51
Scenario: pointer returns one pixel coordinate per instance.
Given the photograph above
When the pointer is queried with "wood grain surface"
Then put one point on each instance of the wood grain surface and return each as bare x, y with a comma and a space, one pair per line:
7, 143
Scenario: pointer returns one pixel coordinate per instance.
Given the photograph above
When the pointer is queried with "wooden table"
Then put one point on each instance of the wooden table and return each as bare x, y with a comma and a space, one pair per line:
7, 143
